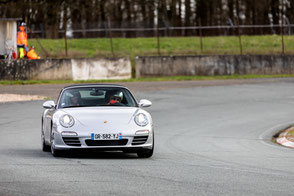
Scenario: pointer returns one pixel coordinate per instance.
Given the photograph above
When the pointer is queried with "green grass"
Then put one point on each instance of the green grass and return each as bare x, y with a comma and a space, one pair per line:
132, 47
171, 78
95, 47
290, 134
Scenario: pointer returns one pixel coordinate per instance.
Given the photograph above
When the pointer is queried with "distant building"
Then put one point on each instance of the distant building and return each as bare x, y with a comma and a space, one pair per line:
8, 34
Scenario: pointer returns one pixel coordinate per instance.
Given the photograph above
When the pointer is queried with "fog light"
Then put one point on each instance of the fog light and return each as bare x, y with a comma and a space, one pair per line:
69, 133
142, 132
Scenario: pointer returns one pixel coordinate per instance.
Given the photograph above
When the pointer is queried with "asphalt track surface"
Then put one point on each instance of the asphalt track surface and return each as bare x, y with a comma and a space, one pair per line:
213, 140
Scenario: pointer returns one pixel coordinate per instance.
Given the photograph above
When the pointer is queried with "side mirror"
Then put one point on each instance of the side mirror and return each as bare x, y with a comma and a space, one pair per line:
49, 104
145, 103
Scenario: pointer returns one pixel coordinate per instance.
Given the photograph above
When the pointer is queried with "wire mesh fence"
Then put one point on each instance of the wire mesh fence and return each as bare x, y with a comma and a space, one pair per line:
164, 30
226, 39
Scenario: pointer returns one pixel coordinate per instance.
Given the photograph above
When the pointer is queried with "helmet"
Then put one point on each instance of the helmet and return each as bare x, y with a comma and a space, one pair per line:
23, 24
117, 96
75, 98
76, 94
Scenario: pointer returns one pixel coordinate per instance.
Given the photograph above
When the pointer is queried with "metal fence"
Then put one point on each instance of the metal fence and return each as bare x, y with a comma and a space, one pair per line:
162, 30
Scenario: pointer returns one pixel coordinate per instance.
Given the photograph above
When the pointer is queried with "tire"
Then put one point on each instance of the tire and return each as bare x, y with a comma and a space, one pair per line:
146, 153
54, 151
45, 147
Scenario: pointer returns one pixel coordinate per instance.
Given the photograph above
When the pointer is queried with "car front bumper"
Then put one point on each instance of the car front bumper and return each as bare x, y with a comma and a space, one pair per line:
127, 142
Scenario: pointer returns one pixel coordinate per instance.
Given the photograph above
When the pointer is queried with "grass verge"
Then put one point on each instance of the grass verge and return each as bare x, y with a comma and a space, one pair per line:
132, 47
290, 135
171, 78
171, 46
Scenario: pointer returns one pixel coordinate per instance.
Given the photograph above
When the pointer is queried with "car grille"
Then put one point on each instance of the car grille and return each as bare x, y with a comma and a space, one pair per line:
71, 141
138, 140
107, 142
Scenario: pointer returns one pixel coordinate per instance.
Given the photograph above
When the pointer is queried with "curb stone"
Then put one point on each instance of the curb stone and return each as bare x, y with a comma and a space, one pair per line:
283, 140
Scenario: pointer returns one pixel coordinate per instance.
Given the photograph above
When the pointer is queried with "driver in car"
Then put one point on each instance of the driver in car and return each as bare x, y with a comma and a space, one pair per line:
75, 100
116, 98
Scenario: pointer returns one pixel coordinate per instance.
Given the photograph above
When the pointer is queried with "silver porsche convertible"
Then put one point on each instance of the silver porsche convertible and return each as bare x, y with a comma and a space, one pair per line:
97, 116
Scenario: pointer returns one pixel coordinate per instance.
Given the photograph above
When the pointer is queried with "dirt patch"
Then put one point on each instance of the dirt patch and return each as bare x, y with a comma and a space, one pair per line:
16, 97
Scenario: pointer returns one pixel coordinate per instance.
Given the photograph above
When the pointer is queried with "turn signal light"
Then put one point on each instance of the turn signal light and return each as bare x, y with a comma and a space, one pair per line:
142, 132
69, 133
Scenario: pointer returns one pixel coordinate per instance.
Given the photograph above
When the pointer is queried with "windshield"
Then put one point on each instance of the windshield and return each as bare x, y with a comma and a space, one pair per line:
96, 96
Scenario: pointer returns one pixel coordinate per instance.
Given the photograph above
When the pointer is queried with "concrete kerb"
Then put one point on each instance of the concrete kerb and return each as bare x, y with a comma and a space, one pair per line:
283, 140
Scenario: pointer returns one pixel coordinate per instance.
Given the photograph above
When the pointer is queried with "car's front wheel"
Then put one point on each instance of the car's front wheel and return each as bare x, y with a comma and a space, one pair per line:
45, 147
54, 151
147, 153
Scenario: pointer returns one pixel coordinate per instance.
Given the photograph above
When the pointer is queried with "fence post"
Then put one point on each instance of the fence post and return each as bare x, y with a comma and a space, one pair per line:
240, 40
282, 29
158, 39
238, 23
64, 29
110, 36
200, 36
41, 46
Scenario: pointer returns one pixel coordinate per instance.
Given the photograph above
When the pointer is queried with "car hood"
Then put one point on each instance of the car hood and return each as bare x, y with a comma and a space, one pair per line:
102, 115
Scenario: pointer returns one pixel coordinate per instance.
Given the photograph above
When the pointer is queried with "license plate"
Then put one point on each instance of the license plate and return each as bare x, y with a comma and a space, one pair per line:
106, 136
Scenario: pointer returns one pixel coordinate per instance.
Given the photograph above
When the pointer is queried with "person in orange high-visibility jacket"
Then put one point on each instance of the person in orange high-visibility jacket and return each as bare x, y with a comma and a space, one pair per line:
32, 54
22, 41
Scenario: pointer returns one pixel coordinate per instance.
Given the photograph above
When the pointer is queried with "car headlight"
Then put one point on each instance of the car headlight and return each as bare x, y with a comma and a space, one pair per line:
66, 120
141, 119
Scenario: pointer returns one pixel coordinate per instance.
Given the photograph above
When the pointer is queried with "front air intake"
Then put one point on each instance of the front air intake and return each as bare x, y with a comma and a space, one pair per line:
71, 141
138, 140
